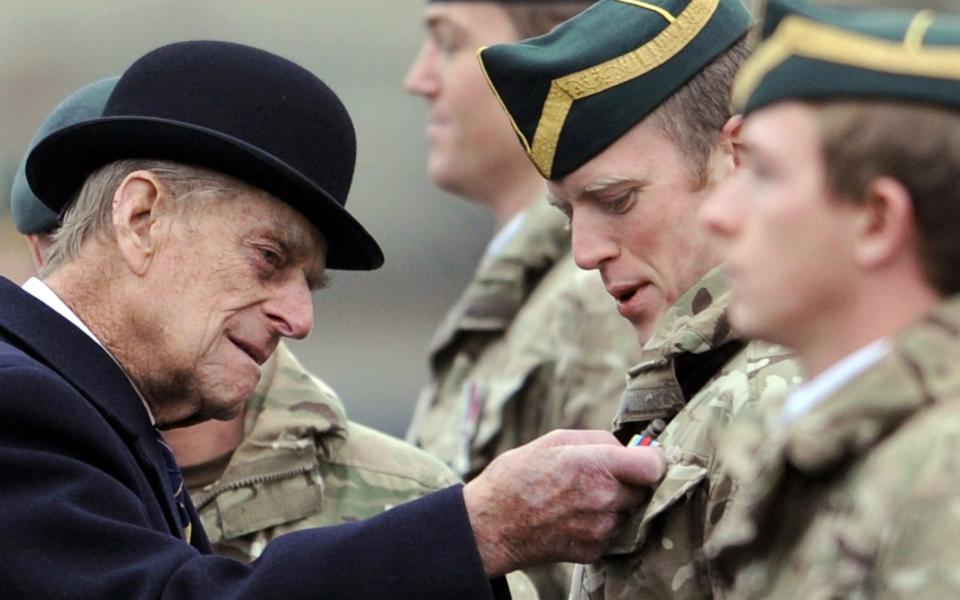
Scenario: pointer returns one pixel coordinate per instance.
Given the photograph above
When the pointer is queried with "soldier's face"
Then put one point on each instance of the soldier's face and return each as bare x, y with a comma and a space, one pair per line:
787, 239
469, 135
230, 279
632, 212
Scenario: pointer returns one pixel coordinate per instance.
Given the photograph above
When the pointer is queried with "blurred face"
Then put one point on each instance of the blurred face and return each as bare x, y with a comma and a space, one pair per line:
788, 240
231, 278
469, 135
632, 212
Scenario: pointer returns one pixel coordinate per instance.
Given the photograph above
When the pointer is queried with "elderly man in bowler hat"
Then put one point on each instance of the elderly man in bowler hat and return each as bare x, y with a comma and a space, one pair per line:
624, 109
201, 210
291, 459
840, 228
533, 343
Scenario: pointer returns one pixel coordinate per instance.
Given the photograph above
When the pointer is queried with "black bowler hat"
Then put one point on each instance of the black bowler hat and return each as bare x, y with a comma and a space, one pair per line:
230, 108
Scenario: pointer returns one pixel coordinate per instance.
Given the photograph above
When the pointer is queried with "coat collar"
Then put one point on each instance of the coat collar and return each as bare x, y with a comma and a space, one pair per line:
52, 340
58, 343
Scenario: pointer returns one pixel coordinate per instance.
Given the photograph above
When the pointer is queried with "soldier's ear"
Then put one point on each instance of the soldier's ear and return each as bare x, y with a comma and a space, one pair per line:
886, 228
138, 205
730, 137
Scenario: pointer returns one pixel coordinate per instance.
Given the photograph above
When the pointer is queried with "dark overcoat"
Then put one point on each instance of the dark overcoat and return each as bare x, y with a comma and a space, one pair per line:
85, 510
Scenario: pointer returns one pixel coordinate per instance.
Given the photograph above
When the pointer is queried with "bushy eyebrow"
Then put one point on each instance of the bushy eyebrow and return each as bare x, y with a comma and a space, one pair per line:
297, 245
595, 186
608, 181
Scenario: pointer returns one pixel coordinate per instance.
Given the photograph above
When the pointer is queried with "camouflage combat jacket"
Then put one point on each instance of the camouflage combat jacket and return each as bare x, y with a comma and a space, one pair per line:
303, 464
859, 497
534, 344
695, 375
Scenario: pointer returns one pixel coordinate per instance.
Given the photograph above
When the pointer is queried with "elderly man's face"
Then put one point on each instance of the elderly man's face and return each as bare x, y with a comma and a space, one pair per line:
231, 278
632, 212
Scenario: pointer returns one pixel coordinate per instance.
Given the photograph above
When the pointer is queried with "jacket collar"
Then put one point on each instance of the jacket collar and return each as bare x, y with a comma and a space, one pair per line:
58, 343
503, 283
691, 336
52, 340
757, 450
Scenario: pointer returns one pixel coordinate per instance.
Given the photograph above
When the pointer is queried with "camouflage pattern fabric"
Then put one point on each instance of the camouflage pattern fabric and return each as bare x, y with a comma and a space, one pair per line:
695, 375
534, 344
302, 464
859, 497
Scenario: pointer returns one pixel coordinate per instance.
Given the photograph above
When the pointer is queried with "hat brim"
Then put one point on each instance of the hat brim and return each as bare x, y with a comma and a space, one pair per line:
59, 165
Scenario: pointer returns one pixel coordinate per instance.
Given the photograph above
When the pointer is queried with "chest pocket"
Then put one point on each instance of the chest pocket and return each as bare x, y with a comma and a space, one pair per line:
679, 482
271, 491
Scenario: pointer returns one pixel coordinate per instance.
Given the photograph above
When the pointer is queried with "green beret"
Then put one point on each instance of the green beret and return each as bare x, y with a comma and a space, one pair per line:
29, 214
811, 52
573, 92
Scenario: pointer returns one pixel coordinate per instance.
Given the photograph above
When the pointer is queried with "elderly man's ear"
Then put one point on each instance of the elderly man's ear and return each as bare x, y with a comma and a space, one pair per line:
139, 205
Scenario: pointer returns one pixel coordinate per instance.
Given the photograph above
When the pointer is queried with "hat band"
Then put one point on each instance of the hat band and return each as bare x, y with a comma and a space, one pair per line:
801, 37
680, 31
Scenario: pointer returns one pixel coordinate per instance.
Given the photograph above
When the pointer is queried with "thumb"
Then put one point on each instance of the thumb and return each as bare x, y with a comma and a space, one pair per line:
641, 466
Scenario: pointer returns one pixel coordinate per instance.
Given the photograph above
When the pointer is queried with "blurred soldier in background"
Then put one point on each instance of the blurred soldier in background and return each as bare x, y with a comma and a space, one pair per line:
533, 344
625, 110
291, 460
841, 230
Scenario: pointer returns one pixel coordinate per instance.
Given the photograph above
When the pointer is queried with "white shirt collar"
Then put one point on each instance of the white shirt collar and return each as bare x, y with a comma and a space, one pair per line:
43, 293
506, 233
811, 393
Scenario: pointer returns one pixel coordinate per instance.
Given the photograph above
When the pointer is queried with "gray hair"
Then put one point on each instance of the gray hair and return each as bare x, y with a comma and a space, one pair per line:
90, 215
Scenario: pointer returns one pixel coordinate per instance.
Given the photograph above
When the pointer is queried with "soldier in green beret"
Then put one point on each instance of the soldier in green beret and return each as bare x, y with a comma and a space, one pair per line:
624, 109
533, 344
840, 228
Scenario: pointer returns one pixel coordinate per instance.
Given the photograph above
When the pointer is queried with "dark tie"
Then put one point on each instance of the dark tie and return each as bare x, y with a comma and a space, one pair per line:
176, 485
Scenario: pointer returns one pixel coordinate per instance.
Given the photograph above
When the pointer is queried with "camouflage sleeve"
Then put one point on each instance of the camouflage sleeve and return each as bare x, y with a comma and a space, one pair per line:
920, 554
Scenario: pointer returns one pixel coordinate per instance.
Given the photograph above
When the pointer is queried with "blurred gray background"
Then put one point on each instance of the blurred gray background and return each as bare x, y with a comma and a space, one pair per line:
372, 329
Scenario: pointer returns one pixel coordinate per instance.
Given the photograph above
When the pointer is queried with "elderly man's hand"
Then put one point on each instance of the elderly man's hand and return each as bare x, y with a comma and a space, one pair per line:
558, 498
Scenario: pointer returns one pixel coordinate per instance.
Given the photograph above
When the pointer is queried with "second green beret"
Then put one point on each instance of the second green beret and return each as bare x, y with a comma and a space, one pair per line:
811, 52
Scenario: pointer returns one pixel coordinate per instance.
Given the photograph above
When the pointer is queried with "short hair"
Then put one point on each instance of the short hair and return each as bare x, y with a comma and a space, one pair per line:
537, 18
693, 116
916, 144
90, 214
